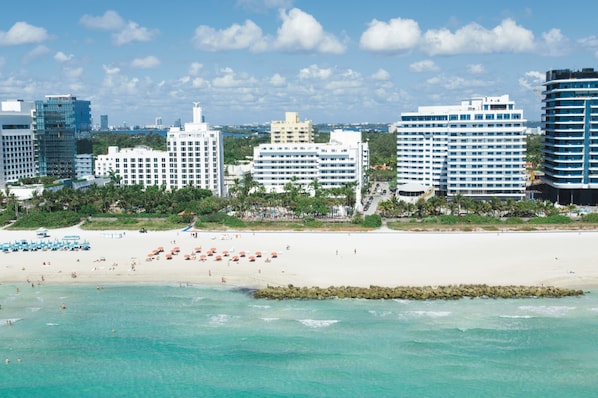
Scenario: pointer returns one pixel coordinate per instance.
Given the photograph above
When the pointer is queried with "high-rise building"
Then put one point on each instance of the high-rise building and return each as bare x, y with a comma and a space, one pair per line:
475, 149
103, 122
17, 141
196, 155
291, 130
570, 123
59, 122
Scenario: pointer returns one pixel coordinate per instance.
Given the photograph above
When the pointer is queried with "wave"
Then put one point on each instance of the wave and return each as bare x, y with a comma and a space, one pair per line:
316, 323
259, 306
270, 319
430, 314
517, 316
548, 310
380, 313
219, 319
51, 324
34, 309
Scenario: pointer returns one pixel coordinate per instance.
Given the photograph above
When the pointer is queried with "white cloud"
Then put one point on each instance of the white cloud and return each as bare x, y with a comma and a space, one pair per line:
23, 33
111, 70
302, 32
125, 32
37, 52
277, 80
230, 79
459, 83
426, 65
195, 68
145, 63
62, 57
476, 69
591, 43
532, 80
73, 73
199, 82
398, 35
109, 21
555, 43
133, 32
381, 74
315, 72
235, 37
475, 39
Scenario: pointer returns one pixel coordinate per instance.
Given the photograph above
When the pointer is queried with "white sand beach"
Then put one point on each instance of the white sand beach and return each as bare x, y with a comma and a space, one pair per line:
383, 258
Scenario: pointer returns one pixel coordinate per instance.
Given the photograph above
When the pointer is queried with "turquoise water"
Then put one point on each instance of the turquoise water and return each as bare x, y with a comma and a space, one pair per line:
172, 341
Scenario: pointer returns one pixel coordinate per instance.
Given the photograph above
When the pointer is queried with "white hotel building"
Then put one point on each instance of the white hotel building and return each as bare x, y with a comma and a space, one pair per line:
17, 141
475, 149
194, 157
139, 165
343, 160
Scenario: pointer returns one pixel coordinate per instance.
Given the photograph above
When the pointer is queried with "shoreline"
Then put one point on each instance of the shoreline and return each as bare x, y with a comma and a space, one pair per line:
309, 259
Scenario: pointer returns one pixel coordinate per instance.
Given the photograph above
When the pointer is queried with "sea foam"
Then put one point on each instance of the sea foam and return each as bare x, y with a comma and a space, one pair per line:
315, 323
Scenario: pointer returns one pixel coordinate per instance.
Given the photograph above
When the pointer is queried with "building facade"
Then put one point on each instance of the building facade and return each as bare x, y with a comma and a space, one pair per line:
17, 141
343, 160
59, 122
139, 165
570, 123
196, 155
475, 149
104, 122
291, 130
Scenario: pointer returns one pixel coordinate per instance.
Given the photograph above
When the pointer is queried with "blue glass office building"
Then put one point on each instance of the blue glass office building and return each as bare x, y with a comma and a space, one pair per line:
570, 122
59, 122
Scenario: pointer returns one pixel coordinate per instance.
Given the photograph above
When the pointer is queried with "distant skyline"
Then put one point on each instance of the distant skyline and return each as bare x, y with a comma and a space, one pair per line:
249, 61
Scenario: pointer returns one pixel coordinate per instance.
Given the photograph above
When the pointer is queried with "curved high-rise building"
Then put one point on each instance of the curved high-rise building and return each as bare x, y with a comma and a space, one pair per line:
570, 123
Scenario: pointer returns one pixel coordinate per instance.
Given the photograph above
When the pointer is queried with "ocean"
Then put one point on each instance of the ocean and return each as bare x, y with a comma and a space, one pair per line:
198, 341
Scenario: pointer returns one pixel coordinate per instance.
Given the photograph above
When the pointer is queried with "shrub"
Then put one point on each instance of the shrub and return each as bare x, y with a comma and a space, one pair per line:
556, 219
372, 221
590, 218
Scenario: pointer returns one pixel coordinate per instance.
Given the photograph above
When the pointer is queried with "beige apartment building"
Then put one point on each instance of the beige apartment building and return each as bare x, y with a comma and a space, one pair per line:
291, 130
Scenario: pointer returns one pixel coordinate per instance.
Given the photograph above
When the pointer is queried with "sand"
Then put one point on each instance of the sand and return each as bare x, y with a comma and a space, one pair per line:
383, 258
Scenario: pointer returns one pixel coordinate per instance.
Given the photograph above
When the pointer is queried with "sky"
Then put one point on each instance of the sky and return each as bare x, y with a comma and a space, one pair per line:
250, 61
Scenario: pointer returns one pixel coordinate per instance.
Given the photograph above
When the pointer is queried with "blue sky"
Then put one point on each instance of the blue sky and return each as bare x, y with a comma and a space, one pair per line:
249, 61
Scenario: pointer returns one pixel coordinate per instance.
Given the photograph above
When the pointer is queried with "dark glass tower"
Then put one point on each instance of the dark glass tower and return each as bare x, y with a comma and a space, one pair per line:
60, 122
570, 123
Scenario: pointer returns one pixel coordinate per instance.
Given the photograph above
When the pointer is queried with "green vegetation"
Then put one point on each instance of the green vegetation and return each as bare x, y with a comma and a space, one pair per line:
534, 150
102, 140
240, 148
56, 219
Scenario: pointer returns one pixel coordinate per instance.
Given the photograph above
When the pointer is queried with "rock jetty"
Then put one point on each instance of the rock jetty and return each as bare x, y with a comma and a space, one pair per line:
450, 292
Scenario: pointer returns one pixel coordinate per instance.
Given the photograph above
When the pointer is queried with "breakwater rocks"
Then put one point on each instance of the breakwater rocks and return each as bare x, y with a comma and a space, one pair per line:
451, 292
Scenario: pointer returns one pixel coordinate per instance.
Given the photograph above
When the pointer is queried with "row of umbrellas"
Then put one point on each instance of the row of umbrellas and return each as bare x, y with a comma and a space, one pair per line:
25, 245
212, 252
